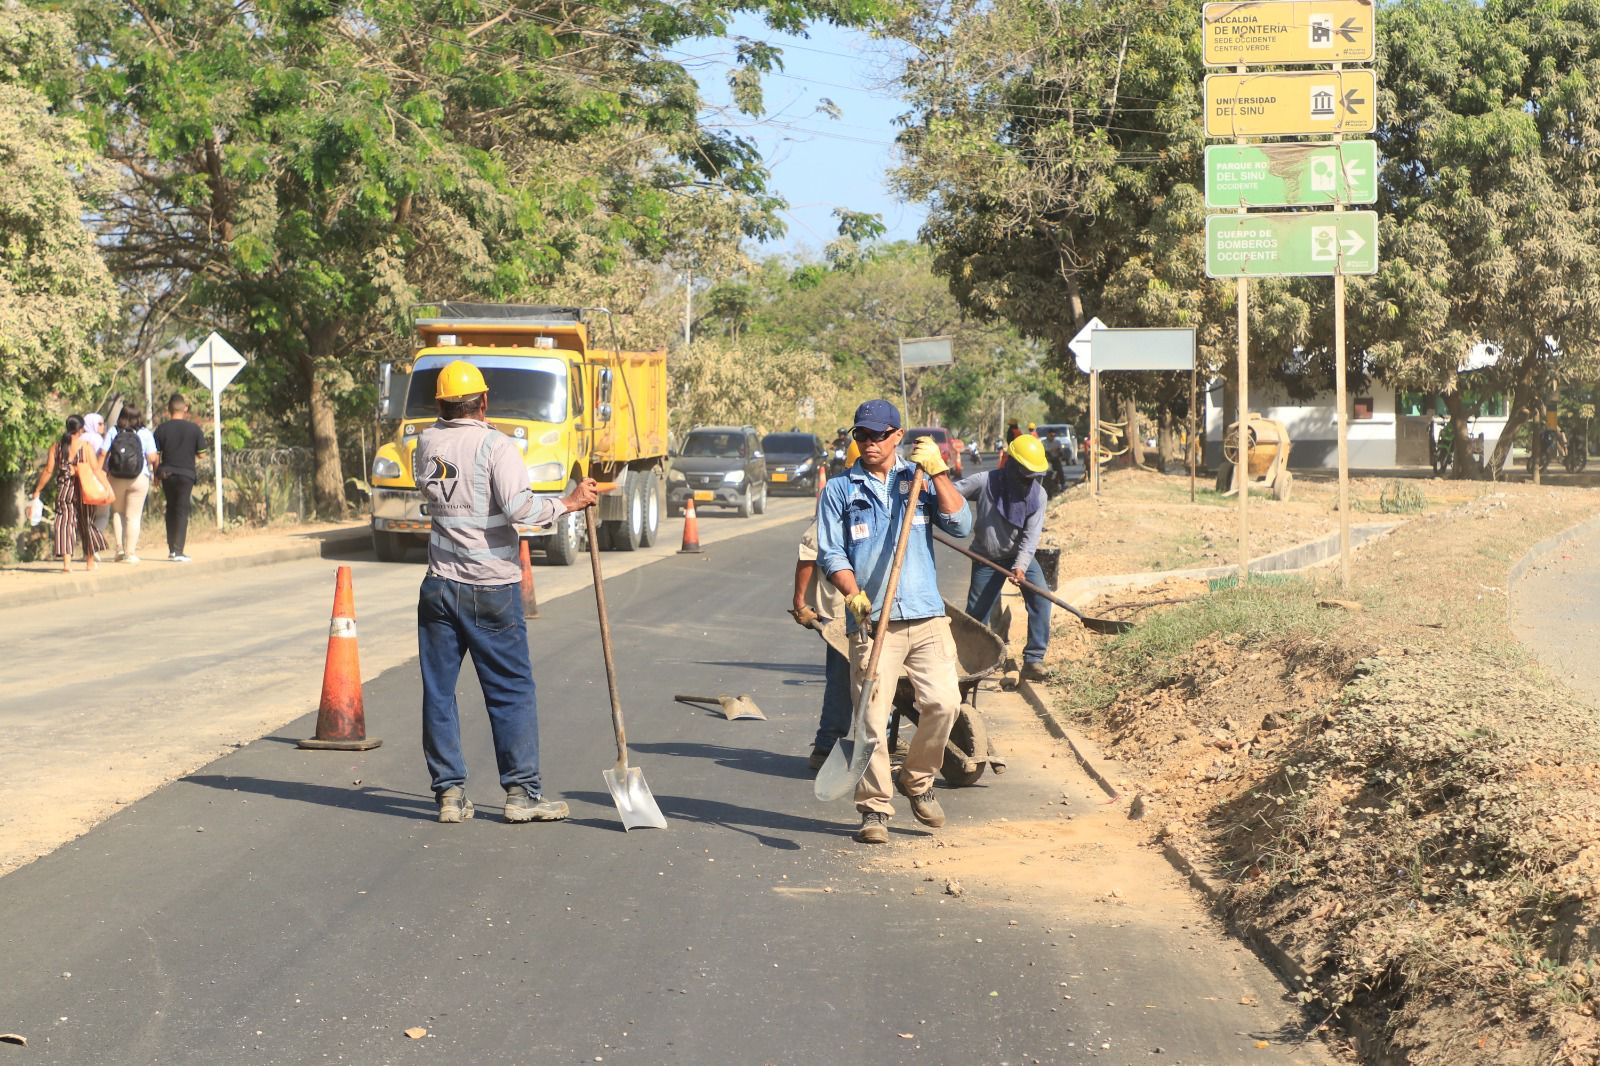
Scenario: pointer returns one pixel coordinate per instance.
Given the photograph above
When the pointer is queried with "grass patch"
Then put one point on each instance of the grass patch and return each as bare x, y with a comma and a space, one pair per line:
1260, 611
1399, 497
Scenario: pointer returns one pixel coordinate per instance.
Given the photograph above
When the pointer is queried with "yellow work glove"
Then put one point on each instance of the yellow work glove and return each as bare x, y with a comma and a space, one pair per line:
925, 454
860, 605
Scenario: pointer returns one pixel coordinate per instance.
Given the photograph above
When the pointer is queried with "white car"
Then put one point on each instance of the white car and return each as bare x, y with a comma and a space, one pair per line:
1064, 433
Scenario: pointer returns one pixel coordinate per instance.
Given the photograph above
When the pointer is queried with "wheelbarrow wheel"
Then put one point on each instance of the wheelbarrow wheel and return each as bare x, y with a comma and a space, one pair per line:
968, 736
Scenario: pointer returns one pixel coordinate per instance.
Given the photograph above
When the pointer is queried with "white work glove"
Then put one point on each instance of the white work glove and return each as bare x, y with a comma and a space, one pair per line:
925, 454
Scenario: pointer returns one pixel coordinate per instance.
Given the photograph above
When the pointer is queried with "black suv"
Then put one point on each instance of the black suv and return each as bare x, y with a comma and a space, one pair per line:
793, 462
721, 466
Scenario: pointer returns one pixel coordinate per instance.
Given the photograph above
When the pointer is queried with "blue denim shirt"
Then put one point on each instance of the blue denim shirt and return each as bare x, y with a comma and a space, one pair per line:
856, 531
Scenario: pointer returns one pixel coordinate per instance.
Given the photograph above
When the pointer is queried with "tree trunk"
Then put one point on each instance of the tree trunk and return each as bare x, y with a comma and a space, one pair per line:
1167, 438
1462, 465
1130, 411
328, 472
1521, 398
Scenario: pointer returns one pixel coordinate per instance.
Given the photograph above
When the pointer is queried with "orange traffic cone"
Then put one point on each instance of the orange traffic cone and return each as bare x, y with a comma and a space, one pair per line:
341, 719
530, 602
691, 530
822, 481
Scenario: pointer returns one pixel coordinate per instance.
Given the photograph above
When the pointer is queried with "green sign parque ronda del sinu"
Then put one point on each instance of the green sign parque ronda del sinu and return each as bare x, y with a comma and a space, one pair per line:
1315, 174
1301, 243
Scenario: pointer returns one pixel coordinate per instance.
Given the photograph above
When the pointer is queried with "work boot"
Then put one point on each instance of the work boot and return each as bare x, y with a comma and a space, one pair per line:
521, 806
819, 755
1035, 672
454, 805
874, 828
924, 805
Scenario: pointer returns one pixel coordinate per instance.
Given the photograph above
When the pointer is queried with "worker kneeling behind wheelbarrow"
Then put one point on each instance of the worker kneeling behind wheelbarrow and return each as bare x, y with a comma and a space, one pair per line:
862, 522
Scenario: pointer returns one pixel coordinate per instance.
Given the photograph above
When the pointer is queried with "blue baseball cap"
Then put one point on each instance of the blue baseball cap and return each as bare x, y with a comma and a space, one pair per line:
878, 416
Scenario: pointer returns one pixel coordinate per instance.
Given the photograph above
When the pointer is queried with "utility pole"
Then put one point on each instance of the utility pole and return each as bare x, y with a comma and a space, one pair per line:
688, 304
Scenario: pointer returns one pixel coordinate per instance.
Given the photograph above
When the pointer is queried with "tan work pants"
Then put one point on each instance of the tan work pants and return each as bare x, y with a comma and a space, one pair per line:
925, 652
127, 512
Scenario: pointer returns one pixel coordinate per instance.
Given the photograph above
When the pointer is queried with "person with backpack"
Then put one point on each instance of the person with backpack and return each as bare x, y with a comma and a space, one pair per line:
130, 461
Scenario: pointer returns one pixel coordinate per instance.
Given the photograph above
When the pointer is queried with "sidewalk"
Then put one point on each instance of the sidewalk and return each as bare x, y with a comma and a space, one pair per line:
43, 581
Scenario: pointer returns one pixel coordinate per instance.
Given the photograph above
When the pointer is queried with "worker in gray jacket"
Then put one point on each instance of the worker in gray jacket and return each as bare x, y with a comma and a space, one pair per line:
476, 487
1008, 516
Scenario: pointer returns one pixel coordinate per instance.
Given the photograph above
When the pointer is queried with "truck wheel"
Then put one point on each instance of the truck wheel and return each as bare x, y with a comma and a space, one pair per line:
389, 547
652, 510
626, 531
561, 547
746, 505
761, 501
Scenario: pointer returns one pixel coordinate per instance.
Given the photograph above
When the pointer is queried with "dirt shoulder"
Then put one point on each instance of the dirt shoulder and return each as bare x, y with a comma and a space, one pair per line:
1389, 784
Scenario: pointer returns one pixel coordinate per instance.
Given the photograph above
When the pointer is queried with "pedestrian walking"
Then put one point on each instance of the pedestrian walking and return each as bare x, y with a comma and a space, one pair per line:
94, 428
178, 444
73, 525
1009, 505
131, 455
816, 603
858, 524
476, 486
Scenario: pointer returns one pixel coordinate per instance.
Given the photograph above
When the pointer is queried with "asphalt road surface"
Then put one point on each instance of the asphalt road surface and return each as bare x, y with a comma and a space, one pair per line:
284, 906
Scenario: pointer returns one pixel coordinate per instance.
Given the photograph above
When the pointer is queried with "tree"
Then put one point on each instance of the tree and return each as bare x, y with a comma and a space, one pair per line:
56, 295
302, 172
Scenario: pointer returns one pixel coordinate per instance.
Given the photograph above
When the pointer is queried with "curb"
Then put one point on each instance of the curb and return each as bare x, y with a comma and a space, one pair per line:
1545, 548
315, 545
1294, 978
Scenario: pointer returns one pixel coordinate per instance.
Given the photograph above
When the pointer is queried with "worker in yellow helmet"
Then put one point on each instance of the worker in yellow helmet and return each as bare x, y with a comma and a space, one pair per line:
476, 488
1008, 517
816, 603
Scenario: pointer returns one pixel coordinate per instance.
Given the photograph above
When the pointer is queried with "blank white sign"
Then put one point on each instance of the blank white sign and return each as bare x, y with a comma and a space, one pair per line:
1142, 349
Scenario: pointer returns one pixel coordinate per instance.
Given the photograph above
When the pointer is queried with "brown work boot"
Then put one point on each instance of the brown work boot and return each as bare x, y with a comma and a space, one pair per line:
453, 805
874, 828
819, 755
522, 806
924, 805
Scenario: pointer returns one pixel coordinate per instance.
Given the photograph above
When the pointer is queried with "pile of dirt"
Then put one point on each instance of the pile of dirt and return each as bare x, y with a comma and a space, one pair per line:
1390, 786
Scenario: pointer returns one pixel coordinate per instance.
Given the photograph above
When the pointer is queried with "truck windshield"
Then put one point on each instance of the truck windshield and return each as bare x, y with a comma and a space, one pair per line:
533, 390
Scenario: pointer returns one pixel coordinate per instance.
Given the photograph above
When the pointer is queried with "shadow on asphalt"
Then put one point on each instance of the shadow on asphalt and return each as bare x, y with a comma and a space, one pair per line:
373, 801
750, 760
813, 669
746, 820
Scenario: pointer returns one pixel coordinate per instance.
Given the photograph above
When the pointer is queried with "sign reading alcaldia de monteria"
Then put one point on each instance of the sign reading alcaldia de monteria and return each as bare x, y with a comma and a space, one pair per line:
1272, 32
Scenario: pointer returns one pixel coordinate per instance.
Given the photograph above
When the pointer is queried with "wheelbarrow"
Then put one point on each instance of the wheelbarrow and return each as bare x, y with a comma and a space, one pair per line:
979, 653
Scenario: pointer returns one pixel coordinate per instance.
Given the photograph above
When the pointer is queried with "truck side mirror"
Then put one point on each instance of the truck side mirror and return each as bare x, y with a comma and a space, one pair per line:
391, 393
603, 382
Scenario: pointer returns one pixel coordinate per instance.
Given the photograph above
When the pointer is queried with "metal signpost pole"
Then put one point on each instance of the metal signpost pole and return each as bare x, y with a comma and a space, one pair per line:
216, 437
1241, 469
1194, 376
1342, 401
1094, 431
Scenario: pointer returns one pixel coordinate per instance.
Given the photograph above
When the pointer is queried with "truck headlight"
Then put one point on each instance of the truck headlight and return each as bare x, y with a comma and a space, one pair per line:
384, 467
803, 469
675, 475
733, 477
545, 472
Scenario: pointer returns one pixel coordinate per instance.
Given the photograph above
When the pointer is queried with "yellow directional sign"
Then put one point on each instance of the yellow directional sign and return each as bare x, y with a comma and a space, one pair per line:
1291, 103
1261, 32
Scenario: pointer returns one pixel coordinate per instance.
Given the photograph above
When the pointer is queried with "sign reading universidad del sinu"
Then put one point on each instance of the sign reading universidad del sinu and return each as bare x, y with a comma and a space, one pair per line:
1292, 174
1270, 32
1301, 243
1291, 103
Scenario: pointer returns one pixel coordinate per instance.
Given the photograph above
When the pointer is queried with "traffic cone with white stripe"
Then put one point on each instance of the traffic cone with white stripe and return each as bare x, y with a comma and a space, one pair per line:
341, 718
691, 530
530, 599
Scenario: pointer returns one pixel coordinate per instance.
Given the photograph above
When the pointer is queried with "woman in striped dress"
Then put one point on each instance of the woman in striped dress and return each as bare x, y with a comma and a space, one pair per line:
72, 523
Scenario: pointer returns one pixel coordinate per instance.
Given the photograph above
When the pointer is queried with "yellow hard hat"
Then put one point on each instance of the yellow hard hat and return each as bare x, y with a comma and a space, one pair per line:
458, 380
852, 454
1032, 427
1029, 451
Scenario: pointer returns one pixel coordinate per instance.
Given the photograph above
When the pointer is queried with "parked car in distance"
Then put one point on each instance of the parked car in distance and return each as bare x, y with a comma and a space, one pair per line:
1065, 434
719, 466
793, 462
941, 437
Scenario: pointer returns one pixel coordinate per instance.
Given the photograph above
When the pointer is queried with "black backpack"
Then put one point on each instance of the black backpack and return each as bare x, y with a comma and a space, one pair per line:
126, 457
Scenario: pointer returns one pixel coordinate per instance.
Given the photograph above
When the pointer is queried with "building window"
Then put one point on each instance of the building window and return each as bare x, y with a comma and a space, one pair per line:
1362, 408
1478, 405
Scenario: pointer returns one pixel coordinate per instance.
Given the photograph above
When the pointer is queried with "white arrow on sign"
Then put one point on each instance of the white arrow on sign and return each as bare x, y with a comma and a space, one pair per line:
1081, 346
1352, 242
215, 363
1353, 172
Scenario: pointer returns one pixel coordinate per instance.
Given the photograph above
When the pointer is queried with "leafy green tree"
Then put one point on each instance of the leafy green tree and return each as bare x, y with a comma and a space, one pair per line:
56, 295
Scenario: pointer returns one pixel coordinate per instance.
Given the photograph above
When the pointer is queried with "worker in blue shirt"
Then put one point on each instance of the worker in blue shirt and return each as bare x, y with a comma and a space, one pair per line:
858, 523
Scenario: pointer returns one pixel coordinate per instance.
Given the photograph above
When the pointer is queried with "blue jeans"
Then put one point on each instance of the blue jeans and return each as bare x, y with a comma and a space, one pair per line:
452, 619
836, 708
984, 593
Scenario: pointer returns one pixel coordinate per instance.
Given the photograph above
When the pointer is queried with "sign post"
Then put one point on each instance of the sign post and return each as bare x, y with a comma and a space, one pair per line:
922, 351
214, 364
1082, 347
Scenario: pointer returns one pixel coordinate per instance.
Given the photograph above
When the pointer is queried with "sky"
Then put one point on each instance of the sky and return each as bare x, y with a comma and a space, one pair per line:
818, 163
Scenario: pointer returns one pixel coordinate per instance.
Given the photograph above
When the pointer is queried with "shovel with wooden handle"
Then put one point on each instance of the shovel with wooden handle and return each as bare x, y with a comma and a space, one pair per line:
629, 792
847, 762
1098, 625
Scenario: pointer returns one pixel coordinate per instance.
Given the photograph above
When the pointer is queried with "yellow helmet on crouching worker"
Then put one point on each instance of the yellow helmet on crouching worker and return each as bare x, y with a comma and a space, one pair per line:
1029, 451
458, 380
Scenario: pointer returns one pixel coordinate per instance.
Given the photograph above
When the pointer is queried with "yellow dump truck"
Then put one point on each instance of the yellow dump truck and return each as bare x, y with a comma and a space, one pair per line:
572, 409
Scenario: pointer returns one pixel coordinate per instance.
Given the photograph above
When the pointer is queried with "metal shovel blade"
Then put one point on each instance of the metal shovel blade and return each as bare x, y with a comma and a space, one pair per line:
846, 766
737, 707
635, 804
